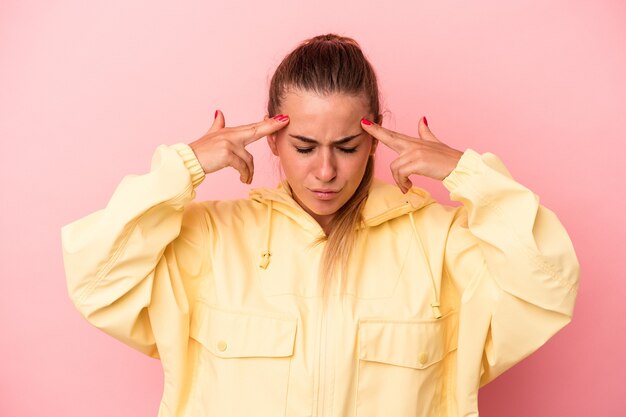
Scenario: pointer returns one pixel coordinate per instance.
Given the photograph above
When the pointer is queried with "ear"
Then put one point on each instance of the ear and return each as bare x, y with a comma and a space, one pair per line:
271, 141
374, 145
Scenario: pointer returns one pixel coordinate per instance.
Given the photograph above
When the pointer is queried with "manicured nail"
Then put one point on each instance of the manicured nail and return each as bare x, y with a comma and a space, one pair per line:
280, 117
425, 121
366, 122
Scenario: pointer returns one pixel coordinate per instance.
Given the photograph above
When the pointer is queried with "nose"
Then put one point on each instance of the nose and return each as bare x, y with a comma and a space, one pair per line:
326, 166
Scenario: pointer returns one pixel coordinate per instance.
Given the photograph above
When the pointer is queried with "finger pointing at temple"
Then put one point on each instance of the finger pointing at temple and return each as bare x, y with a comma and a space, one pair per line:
255, 131
394, 140
423, 155
225, 146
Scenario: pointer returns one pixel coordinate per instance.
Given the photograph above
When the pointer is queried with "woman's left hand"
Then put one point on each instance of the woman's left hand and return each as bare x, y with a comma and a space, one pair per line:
425, 155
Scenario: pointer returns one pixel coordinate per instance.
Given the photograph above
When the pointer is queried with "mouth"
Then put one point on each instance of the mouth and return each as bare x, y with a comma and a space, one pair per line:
324, 194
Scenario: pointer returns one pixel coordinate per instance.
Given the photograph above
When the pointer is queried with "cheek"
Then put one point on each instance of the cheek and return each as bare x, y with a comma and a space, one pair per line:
293, 165
357, 165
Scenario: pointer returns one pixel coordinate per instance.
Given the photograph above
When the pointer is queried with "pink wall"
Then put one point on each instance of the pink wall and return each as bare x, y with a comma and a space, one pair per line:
89, 89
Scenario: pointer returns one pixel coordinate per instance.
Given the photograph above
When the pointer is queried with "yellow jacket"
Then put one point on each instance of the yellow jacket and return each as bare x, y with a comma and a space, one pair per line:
438, 300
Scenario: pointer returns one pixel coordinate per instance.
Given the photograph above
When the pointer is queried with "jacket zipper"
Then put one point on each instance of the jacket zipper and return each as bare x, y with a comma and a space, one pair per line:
322, 368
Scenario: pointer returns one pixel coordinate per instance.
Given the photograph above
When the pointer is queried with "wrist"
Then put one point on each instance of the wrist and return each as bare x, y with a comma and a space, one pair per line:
454, 163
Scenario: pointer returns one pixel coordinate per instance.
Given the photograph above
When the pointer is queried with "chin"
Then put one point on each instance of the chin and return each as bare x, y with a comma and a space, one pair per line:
324, 209
326, 212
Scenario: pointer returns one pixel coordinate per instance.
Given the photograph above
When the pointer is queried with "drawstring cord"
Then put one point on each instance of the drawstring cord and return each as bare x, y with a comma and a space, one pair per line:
265, 255
434, 305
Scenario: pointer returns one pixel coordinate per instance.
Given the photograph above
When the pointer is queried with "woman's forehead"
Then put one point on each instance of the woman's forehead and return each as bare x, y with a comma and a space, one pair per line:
312, 104
332, 114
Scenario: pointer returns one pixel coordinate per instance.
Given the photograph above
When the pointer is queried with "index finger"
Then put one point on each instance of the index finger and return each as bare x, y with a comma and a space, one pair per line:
258, 130
388, 137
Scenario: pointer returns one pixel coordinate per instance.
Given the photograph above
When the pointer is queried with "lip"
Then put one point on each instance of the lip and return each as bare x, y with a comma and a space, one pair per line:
324, 194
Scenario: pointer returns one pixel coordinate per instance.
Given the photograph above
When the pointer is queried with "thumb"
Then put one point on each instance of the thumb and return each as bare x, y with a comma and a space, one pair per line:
424, 131
218, 122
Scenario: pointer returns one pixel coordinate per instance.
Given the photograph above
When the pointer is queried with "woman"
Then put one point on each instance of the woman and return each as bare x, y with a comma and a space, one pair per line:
333, 294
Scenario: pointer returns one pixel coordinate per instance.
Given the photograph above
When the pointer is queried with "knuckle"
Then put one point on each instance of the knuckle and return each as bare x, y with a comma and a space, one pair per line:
224, 153
405, 171
415, 153
253, 131
221, 143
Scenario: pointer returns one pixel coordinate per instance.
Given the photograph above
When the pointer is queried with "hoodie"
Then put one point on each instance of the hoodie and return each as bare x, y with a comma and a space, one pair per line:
436, 300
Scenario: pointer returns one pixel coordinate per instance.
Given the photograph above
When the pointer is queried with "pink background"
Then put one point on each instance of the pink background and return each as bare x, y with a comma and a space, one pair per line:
89, 89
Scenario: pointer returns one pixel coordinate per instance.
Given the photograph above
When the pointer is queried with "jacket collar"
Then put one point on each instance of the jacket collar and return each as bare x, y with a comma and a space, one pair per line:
385, 202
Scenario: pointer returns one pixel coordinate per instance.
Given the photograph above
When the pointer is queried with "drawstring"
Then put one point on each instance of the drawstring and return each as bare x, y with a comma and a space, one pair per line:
435, 305
265, 255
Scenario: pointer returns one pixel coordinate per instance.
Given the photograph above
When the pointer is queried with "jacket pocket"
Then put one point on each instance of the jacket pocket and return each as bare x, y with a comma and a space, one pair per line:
243, 362
403, 366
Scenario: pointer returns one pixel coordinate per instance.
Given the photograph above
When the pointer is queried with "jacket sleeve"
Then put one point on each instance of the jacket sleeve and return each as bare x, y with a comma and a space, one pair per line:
514, 263
122, 262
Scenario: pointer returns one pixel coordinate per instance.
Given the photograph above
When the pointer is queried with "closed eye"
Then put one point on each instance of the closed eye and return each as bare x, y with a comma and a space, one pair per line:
348, 150
304, 150
309, 150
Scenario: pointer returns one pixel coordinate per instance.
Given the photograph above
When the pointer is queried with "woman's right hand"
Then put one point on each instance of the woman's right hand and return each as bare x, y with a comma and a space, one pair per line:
225, 146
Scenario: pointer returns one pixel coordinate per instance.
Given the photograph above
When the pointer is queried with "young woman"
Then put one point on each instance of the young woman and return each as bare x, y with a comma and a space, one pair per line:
334, 294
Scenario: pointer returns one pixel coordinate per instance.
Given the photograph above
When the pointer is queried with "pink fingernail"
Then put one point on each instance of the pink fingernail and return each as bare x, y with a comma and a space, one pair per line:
215, 117
366, 122
425, 121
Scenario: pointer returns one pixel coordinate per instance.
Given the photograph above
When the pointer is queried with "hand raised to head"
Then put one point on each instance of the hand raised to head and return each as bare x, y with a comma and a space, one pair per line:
425, 155
224, 146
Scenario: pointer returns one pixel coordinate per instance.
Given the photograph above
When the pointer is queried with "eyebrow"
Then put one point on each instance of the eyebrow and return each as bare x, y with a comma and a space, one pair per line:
314, 142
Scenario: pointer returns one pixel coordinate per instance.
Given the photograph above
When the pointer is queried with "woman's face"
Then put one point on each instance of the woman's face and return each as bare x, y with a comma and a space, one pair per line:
323, 150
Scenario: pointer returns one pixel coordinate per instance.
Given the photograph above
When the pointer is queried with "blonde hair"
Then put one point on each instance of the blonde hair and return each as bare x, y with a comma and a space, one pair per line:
329, 64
